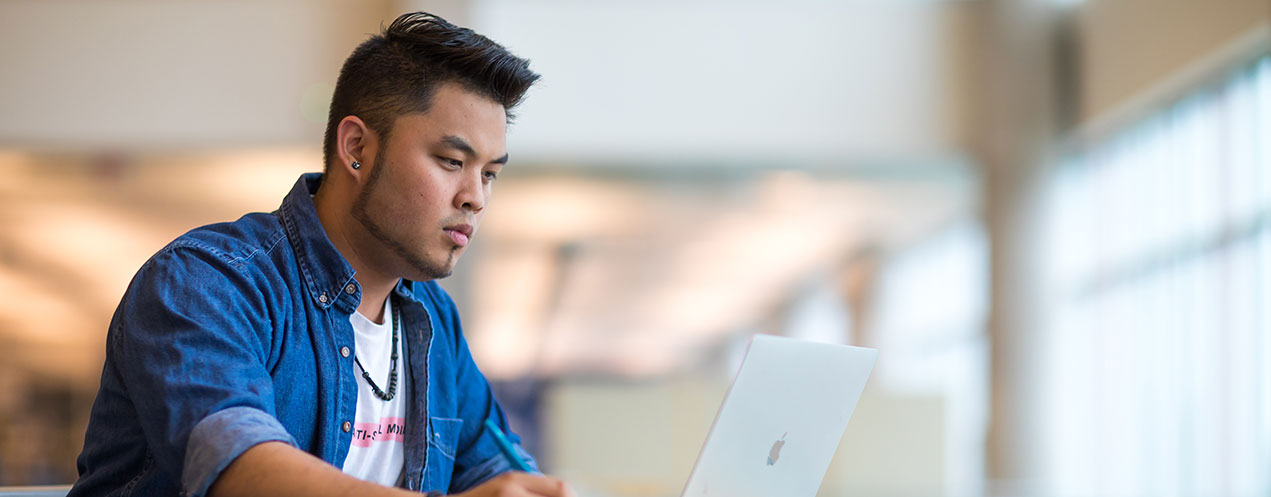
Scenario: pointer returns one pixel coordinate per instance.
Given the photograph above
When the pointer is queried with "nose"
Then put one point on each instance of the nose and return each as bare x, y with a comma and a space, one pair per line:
472, 194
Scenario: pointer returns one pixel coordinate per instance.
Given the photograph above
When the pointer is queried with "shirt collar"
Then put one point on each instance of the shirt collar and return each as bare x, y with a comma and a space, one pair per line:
327, 274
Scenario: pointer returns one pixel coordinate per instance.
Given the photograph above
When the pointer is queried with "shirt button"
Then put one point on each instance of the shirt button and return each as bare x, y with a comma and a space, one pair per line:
344, 351
323, 298
347, 426
350, 289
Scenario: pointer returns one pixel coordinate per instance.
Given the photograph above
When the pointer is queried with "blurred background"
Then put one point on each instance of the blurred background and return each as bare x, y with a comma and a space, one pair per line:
1051, 217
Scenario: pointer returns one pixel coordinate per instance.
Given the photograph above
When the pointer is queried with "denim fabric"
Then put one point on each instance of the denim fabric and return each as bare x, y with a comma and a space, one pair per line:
230, 336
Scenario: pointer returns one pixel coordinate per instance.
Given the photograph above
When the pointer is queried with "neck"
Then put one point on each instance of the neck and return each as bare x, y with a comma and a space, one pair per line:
373, 299
333, 212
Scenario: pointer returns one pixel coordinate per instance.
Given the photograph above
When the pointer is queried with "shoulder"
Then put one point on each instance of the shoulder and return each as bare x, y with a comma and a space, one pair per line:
216, 280
235, 243
228, 261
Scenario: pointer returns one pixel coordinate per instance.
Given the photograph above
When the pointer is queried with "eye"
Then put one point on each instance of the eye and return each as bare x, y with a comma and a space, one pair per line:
491, 175
451, 163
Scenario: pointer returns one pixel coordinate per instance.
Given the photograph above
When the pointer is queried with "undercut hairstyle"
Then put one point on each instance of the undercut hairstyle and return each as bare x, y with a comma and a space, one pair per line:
398, 71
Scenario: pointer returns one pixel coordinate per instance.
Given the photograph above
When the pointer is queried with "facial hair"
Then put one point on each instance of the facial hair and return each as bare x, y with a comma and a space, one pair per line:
375, 227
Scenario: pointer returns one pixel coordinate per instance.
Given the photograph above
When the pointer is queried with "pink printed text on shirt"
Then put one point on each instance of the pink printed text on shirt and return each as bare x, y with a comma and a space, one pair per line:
387, 430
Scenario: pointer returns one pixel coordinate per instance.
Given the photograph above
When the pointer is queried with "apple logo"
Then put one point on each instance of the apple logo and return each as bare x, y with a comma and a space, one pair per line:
775, 452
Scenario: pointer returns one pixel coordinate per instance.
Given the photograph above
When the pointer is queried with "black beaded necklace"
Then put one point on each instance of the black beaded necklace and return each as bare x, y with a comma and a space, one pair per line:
392, 375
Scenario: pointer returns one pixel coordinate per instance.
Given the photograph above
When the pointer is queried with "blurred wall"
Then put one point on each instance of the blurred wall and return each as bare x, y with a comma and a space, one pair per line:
145, 75
728, 82
734, 81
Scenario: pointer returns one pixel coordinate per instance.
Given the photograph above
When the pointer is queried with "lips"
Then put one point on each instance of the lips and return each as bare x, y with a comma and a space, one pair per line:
459, 233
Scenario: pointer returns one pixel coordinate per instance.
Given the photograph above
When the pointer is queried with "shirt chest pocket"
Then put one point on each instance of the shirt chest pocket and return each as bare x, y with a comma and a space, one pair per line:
443, 436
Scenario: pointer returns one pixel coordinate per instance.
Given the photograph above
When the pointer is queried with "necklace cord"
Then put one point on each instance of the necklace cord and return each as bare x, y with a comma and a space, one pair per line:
392, 375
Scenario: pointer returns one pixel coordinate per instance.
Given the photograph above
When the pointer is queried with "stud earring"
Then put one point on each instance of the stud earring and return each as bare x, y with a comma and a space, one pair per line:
357, 165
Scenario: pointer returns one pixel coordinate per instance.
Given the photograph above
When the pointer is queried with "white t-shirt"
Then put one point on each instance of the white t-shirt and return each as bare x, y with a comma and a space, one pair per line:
378, 449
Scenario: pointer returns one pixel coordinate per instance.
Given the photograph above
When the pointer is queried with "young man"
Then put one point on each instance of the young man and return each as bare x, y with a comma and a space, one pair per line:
308, 351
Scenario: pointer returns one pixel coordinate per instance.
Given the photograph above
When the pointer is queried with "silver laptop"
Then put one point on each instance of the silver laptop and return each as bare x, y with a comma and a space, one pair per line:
782, 419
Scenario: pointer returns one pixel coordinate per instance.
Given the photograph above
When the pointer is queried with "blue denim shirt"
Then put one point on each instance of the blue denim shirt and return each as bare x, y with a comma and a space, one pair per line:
232, 336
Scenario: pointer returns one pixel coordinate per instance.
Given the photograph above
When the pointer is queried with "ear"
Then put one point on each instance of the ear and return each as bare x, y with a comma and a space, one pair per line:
354, 141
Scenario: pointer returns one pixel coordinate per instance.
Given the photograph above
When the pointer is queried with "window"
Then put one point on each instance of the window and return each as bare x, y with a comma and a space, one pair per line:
1159, 351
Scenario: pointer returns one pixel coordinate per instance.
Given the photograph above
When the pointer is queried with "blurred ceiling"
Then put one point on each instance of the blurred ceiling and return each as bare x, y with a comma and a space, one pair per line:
572, 272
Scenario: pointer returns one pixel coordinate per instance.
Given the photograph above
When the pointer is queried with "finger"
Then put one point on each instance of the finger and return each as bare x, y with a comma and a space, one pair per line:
534, 484
566, 490
561, 488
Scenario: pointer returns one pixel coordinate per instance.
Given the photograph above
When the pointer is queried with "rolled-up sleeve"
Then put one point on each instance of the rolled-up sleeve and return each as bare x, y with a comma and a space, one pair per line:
220, 438
490, 468
192, 336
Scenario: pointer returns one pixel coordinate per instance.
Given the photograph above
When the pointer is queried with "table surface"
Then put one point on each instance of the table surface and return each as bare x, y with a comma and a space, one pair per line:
41, 491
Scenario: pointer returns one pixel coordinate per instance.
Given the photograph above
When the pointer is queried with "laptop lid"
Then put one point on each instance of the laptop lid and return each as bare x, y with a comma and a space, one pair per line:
781, 420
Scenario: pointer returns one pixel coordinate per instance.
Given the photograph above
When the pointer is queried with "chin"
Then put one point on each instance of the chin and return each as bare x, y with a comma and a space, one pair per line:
421, 268
422, 274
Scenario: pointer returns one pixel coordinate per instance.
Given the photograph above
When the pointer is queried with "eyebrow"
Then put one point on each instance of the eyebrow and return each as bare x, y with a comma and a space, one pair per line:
462, 145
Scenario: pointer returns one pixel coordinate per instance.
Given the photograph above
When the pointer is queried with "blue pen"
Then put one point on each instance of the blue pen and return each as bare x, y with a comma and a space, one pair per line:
506, 447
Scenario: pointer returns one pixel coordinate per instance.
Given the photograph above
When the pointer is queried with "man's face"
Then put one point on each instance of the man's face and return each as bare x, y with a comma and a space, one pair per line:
430, 182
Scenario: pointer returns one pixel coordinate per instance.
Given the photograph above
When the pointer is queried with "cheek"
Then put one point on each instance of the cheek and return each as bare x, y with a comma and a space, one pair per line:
399, 210
430, 188
415, 197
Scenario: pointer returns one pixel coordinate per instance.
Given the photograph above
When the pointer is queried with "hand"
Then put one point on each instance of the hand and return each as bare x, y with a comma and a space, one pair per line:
518, 484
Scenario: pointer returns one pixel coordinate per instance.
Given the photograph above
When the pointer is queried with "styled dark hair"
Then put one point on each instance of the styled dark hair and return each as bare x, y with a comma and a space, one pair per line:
398, 71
